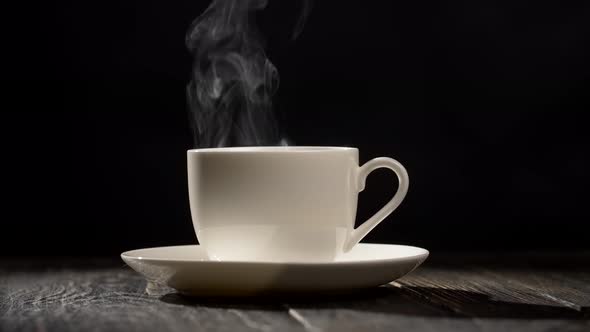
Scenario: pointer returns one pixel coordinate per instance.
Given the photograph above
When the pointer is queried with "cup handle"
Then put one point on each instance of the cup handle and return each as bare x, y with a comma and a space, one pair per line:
404, 181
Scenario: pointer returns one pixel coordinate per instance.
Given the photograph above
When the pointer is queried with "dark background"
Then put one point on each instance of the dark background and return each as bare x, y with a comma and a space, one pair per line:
483, 101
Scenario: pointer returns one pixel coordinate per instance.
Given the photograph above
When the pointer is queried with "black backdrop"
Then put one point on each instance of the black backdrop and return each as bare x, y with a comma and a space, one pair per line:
483, 101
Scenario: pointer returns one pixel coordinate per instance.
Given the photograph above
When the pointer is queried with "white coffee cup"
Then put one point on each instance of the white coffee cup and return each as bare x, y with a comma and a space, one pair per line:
282, 203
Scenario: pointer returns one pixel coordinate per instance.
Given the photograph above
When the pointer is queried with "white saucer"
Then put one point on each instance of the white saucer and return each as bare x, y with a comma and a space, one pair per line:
189, 270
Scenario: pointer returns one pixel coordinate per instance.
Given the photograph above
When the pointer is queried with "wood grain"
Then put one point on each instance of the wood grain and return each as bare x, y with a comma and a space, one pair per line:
102, 295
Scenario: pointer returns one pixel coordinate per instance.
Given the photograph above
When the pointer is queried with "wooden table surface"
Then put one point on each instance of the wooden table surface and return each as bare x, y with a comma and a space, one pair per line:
478, 292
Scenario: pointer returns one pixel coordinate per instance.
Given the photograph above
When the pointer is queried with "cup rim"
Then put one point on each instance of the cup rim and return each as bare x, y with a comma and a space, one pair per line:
274, 149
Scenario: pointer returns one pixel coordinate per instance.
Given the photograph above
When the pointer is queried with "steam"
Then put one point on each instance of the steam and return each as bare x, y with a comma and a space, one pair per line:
305, 10
233, 82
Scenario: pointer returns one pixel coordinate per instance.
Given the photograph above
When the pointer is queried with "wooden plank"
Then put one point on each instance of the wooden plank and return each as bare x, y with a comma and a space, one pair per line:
477, 292
116, 300
381, 309
441, 297
567, 288
394, 308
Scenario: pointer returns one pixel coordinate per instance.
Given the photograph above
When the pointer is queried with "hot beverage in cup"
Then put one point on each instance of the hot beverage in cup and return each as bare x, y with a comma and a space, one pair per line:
282, 203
